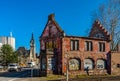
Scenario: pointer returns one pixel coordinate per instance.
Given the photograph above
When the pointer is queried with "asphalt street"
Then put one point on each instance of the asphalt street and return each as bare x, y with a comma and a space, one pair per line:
16, 76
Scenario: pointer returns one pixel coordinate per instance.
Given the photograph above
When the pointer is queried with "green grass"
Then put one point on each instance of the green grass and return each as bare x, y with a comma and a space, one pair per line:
52, 77
82, 76
56, 77
92, 76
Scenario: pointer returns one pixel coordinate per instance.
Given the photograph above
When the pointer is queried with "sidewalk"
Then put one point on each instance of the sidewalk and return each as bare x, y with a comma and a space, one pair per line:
47, 78
34, 79
40, 79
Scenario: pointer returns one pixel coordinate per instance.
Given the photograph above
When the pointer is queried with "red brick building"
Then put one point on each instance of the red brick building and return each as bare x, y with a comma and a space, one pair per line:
79, 53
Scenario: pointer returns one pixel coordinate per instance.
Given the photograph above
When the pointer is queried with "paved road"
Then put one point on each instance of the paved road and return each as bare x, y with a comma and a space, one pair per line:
16, 76
25, 75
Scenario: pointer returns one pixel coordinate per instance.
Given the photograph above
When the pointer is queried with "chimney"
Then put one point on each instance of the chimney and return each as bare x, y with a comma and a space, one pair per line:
51, 17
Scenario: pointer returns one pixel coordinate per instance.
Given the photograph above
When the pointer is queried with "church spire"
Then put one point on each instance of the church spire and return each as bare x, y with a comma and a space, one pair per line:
32, 37
32, 40
32, 56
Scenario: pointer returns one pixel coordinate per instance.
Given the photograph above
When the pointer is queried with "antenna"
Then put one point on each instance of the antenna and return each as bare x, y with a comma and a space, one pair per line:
10, 34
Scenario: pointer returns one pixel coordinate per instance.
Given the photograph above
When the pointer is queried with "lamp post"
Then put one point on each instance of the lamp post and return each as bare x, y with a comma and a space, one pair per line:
67, 73
67, 77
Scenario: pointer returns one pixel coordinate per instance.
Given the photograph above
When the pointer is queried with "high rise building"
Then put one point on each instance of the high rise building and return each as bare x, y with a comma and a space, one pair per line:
7, 40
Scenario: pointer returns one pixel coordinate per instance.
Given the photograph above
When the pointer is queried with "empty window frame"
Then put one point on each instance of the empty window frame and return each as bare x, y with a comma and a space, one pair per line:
118, 65
101, 47
74, 44
88, 46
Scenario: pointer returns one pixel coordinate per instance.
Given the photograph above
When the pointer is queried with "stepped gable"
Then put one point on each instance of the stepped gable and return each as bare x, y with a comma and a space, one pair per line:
98, 31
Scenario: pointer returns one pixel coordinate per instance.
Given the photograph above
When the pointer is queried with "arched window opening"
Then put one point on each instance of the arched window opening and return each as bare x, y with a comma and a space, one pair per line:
88, 63
74, 64
101, 64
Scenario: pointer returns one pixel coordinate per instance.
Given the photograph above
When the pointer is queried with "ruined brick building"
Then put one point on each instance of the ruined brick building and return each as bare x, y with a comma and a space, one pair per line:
58, 50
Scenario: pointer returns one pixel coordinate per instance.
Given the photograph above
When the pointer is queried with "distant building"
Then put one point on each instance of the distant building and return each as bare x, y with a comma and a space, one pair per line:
1, 45
8, 40
32, 55
25, 55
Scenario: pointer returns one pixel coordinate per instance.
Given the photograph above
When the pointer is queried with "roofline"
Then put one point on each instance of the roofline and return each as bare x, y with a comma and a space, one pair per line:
91, 38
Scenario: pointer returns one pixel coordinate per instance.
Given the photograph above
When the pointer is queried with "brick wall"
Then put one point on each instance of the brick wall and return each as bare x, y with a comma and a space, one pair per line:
115, 63
82, 54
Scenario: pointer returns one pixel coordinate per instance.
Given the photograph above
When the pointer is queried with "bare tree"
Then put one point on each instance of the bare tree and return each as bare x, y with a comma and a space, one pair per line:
109, 16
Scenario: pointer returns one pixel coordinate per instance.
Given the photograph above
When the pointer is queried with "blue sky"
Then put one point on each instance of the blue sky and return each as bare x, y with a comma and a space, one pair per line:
22, 17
